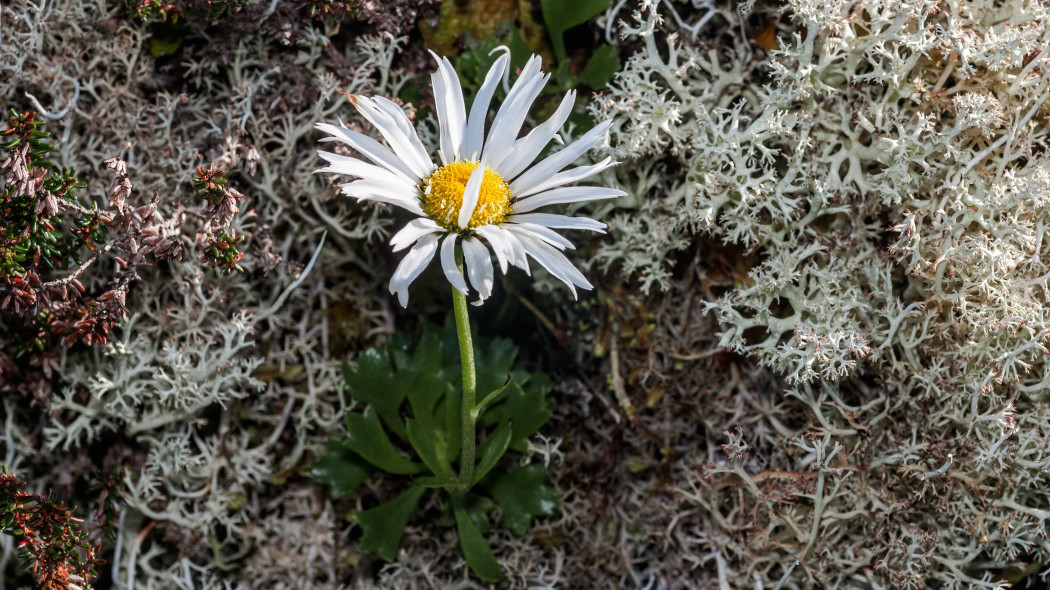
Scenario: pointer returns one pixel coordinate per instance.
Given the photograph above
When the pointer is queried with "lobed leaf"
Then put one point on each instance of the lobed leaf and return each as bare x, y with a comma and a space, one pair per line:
477, 551
374, 381
383, 526
368, 439
342, 470
522, 495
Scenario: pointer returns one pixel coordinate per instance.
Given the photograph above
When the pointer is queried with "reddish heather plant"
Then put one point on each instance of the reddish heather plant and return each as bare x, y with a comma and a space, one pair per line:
44, 231
49, 538
393, 16
206, 10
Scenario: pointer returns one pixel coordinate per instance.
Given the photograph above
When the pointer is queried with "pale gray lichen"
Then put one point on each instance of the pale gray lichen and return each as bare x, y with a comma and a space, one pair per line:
885, 169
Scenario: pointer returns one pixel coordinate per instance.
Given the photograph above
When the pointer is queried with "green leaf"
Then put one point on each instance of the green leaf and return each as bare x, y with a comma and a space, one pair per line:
478, 507
492, 449
492, 398
427, 429
374, 381
436, 482
159, 47
527, 406
430, 445
453, 420
340, 469
494, 362
562, 15
368, 439
477, 551
601, 68
522, 495
400, 349
433, 379
383, 525
427, 356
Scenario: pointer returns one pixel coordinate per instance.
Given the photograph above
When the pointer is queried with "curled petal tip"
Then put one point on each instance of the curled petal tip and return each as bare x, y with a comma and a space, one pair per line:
502, 48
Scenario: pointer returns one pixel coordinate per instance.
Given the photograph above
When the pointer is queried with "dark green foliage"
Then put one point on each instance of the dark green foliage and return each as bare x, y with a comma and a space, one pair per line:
522, 495
368, 440
31, 232
477, 551
492, 449
410, 425
601, 65
342, 470
34, 239
209, 185
560, 16
384, 524
220, 250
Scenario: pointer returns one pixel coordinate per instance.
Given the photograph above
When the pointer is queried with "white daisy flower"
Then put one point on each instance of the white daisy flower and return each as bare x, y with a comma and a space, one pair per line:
486, 190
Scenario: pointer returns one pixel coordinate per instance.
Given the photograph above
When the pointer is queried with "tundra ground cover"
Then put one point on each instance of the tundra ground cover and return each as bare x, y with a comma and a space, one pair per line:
815, 355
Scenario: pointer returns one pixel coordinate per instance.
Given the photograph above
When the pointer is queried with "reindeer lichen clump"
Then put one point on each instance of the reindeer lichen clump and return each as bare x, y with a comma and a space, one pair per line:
875, 177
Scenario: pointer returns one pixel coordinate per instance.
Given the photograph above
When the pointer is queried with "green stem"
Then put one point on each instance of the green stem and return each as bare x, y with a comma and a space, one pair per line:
468, 416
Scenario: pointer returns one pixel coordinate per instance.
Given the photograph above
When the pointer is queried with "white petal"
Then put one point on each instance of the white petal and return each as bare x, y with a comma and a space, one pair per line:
559, 221
413, 230
500, 244
544, 233
448, 264
512, 112
505, 245
471, 194
354, 167
527, 148
369, 148
394, 126
568, 194
368, 189
518, 251
411, 266
562, 178
445, 151
448, 98
475, 135
559, 160
457, 114
398, 116
498, 148
555, 262
479, 267
377, 190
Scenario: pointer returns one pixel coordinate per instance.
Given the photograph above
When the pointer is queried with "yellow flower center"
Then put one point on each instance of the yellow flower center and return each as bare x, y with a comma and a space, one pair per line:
443, 190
